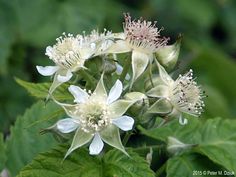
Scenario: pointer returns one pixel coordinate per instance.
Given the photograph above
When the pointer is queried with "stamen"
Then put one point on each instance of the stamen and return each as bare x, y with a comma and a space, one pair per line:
186, 95
143, 34
70, 52
93, 115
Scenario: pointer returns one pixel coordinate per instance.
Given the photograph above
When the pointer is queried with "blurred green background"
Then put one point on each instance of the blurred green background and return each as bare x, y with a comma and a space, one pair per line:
209, 43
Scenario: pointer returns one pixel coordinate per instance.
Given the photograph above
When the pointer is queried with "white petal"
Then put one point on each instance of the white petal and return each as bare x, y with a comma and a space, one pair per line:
124, 122
182, 120
49, 51
115, 92
64, 78
127, 77
47, 70
67, 125
80, 95
96, 146
119, 69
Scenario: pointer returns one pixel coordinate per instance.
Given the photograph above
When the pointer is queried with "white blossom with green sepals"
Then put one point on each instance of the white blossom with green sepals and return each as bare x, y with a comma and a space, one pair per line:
182, 95
143, 39
70, 53
96, 117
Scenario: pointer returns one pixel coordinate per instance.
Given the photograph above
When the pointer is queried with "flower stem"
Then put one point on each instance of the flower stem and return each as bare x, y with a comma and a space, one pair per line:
76, 79
126, 138
154, 147
88, 78
161, 169
125, 69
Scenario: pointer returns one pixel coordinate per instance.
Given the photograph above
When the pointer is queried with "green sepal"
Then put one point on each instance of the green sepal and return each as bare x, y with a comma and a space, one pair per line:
140, 61
111, 136
161, 106
118, 108
80, 138
100, 90
158, 91
168, 55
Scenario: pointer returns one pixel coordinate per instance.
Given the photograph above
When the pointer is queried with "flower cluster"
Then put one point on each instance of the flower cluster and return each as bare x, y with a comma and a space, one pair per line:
96, 115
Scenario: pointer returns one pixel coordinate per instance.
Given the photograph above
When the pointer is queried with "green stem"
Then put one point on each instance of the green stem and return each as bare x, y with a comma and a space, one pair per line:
154, 147
90, 79
76, 79
125, 69
161, 169
126, 138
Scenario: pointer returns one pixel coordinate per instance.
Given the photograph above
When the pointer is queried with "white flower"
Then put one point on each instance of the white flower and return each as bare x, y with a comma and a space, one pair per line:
97, 116
180, 96
143, 39
70, 53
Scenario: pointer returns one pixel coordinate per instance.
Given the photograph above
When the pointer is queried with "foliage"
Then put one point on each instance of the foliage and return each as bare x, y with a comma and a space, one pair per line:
2, 152
114, 163
25, 135
40, 90
213, 138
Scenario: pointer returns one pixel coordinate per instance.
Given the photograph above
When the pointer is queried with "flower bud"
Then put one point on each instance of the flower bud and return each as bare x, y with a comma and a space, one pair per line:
109, 66
60, 137
149, 156
156, 80
168, 55
141, 105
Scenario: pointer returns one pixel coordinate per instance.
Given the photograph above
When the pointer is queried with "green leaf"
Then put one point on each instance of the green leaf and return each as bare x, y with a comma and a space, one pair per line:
58, 16
25, 141
118, 164
216, 138
40, 90
186, 12
191, 165
81, 164
174, 129
218, 142
7, 29
219, 71
221, 107
2, 152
